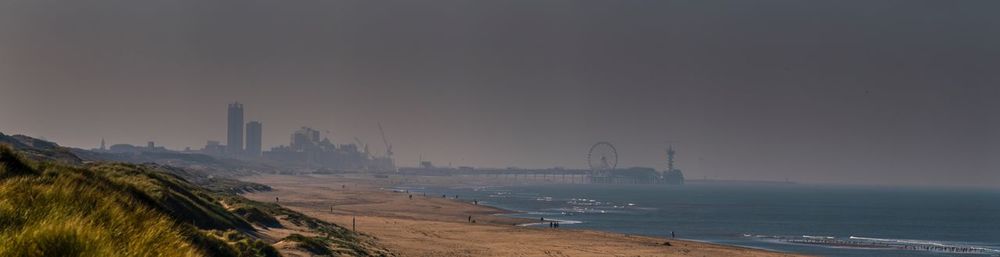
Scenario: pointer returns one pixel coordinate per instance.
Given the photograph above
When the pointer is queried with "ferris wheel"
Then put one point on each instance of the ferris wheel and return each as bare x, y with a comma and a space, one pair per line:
602, 158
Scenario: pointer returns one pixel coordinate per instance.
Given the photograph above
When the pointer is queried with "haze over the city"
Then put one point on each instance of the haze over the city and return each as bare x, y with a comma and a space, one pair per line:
869, 92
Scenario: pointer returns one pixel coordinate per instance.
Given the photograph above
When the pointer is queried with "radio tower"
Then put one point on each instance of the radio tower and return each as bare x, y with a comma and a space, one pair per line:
672, 176
670, 158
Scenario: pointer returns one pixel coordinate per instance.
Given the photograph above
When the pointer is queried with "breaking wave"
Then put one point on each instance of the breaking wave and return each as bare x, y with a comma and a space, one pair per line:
547, 221
882, 243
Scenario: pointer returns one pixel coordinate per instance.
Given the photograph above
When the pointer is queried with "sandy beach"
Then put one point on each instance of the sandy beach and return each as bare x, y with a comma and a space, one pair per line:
434, 226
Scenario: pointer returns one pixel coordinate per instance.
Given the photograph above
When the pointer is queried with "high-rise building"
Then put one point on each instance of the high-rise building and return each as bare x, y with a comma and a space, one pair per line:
234, 137
253, 139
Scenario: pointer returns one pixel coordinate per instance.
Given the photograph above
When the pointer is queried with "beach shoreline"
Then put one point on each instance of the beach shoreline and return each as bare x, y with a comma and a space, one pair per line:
416, 224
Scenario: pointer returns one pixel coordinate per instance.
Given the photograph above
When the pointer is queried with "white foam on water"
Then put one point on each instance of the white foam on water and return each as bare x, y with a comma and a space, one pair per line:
858, 242
547, 221
936, 246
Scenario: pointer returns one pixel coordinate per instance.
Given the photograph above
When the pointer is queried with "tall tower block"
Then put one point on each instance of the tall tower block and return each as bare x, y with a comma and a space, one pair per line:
234, 135
253, 139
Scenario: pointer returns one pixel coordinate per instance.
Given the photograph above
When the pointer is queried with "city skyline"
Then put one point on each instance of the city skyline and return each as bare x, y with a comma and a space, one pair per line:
842, 92
450, 128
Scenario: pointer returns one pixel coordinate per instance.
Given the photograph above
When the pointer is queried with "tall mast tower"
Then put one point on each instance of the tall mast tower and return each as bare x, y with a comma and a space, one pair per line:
670, 158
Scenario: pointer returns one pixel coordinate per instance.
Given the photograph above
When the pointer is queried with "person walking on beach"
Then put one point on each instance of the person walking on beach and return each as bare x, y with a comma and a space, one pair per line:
672, 235
470, 219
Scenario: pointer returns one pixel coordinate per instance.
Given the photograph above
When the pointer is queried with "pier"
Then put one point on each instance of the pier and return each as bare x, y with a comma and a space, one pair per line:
602, 158
637, 175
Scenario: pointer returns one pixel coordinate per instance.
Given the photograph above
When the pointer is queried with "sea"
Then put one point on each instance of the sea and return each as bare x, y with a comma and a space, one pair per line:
824, 220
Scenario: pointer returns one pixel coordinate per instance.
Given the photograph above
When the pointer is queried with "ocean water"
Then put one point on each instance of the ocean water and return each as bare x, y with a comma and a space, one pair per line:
812, 219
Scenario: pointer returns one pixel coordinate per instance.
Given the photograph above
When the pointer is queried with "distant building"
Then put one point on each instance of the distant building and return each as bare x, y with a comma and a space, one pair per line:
234, 135
306, 148
131, 149
253, 148
123, 148
213, 147
305, 139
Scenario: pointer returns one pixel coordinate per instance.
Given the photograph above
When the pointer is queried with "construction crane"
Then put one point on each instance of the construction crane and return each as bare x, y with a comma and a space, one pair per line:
388, 147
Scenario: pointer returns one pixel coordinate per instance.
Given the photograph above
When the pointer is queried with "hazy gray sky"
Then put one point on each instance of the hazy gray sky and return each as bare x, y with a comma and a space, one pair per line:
827, 91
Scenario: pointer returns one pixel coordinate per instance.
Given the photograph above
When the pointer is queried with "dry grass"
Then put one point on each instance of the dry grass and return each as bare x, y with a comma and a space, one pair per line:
58, 217
52, 209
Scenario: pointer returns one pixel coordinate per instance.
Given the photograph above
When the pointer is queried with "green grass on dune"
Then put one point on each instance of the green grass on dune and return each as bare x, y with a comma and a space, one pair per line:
52, 209
171, 194
54, 216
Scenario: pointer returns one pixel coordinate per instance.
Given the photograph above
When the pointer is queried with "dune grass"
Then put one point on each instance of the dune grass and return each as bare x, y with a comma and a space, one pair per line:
53, 209
56, 216
171, 194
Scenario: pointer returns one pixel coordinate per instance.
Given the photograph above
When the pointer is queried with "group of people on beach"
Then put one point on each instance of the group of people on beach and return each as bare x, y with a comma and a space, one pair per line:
552, 224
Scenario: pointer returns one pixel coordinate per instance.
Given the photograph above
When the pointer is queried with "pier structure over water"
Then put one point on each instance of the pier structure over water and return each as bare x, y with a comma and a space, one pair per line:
602, 160
635, 175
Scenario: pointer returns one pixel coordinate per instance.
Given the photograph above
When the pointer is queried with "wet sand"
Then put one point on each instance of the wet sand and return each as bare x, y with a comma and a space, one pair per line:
435, 226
